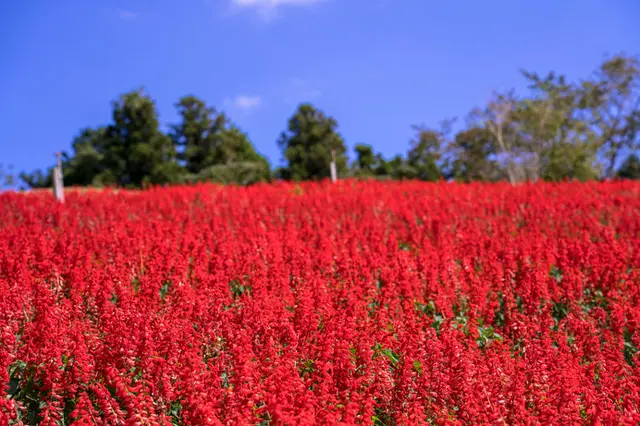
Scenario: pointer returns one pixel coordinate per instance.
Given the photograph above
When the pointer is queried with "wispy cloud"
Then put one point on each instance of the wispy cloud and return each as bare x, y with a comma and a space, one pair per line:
268, 9
127, 15
243, 102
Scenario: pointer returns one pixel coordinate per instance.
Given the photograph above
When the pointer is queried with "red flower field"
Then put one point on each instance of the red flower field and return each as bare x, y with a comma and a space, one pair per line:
355, 303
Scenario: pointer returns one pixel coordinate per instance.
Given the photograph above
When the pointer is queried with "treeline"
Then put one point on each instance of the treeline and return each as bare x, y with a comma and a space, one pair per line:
560, 129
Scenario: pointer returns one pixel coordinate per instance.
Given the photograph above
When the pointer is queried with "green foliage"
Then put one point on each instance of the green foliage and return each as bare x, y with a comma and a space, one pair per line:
472, 151
133, 152
7, 177
559, 130
369, 164
612, 96
197, 133
86, 165
240, 173
212, 149
137, 152
307, 144
630, 169
423, 157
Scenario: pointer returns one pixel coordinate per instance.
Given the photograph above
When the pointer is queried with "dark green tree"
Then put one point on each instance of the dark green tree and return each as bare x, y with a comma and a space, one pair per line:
197, 133
368, 163
307, 145
85, 166
425, 154
630, 168
213, 149
365, 160
399, 168
472, 156
38, 178
236, 161
136, 152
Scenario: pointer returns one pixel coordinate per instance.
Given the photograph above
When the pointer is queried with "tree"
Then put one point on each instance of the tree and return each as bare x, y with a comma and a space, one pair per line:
630, 168
498, 119
400, 169
235, 160
365, 159
555, 139
83, 167
7, 178
472, 152
213, 149
38, 178
368, 163
425, 152
614, 97
197, 133
307, 145
86, 165
136, 151
543, 135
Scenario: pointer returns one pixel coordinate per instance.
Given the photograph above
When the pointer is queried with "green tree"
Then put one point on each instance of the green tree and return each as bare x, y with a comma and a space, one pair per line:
7, 177
38, 178
368, 163
555, 140
197, 133
213, 149
425, 153
400, 169
498, 118
613, 97
630, 168
136, 152
307, 144
365, 159
472, 152
86, 165
236, 161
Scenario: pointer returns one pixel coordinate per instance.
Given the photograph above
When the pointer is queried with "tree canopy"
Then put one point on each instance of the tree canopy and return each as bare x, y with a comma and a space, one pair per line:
308, 143
559, 129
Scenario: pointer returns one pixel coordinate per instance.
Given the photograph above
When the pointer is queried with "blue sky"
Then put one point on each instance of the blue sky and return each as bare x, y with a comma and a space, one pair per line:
377, 66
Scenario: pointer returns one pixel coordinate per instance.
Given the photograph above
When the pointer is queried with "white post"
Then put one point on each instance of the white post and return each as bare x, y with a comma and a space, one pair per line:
334, 172
58, 185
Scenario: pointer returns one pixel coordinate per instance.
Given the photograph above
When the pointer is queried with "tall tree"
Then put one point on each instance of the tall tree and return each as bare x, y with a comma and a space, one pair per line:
365, 159
630, 168
498, 119
197, 133
136, 151
473, 152
307, 144
425, 152
214, 149
614, 95
368, 163
85, 166
555, 139
235, 160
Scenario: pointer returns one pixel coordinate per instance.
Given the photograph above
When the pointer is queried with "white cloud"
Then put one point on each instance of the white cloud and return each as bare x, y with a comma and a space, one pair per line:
244, 102
127, 14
